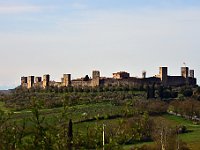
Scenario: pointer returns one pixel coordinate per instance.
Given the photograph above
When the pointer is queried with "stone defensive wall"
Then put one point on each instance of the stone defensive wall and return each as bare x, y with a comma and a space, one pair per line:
81, 83
131, 81
121, 78
180, 81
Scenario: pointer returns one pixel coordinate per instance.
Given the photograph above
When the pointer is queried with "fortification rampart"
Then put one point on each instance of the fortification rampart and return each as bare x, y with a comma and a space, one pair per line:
81, 83
119, 79
176, 81
130, 82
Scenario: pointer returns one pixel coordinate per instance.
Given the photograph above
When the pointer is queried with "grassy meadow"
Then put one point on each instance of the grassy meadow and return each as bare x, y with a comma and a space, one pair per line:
89, 115
129, 118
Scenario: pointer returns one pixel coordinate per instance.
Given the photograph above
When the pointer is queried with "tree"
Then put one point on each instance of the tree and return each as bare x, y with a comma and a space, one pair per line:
160, 92
148, 92
188, 92
164, 136
70, 135
86, 78
151, 91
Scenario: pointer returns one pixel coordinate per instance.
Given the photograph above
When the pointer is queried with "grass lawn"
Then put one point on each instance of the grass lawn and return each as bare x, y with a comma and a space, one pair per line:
3, 108
104, 109
78, 112
192, 138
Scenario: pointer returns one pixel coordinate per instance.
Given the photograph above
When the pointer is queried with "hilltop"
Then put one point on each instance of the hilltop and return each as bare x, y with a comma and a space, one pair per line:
133, 117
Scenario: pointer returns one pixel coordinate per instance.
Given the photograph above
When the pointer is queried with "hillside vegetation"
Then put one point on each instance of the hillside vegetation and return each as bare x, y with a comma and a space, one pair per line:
68, 118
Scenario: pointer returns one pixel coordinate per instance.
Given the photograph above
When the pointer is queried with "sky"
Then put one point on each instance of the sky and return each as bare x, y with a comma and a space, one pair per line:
54, 37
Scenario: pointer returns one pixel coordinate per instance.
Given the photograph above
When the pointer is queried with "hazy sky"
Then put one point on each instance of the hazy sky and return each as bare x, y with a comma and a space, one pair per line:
77, 36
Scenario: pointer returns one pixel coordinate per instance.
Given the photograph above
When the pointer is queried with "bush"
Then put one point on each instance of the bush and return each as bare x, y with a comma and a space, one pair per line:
182, 129
174, 94
166, 94
188, 92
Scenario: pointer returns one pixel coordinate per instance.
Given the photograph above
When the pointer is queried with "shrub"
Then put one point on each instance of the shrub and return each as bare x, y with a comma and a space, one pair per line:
188, 92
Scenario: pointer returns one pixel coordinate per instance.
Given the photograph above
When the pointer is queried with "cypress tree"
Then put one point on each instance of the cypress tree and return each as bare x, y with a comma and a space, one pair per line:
70, 134
161, 90
148, 92
153, 91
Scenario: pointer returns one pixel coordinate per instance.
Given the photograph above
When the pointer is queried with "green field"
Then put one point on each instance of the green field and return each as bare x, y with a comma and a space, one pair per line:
89, 115
3, 108
77, 113
192, 138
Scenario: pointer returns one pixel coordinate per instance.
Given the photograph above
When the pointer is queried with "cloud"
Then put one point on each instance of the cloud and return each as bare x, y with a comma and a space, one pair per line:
79, 6
13, 9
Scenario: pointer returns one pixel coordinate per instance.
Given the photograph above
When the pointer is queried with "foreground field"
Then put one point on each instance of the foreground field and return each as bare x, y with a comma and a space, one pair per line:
91, 115
55, 120
3, 108
193, 137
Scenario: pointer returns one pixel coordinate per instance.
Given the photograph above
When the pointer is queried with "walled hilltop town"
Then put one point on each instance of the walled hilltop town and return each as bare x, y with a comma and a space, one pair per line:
121, 78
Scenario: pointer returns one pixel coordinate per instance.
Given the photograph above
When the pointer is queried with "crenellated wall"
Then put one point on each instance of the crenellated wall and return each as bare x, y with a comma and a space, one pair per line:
124, 80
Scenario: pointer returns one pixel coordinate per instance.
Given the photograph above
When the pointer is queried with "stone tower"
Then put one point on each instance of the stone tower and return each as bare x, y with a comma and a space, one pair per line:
144, 73
66, 80
163, 74
95, 74
192, 73
23, 80
38, 79
184, 71
46, 79
30, 81
95, 78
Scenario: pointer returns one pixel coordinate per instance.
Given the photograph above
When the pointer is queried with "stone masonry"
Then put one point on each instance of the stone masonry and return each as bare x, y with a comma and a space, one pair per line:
121, 78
